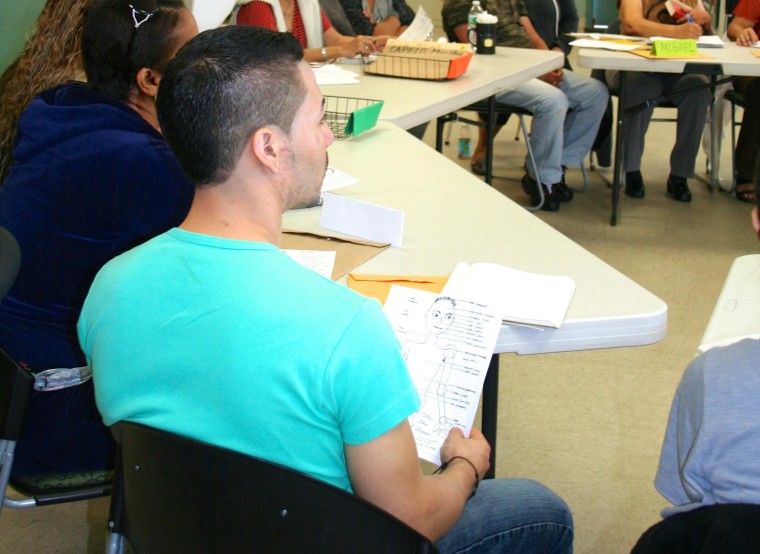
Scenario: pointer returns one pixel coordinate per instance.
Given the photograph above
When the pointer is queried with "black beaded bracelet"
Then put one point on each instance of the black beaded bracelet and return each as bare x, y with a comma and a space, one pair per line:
445, 464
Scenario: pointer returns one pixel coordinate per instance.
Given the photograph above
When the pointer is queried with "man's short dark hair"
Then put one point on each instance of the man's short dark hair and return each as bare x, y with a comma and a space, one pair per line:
222, 87
113, 50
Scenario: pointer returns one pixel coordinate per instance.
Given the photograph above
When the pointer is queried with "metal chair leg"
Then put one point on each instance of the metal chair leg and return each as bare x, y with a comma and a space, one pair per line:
533, 164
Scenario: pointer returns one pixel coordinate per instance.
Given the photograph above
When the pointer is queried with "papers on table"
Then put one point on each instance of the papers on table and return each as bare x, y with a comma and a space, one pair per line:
705, 41
604, 44
362, 219
627, 43
335, 179
519, 296
608, 36
320, 261
447, 344
330, 74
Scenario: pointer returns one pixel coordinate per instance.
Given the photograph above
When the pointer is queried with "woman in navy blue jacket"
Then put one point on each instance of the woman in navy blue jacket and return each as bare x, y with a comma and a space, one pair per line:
91, 178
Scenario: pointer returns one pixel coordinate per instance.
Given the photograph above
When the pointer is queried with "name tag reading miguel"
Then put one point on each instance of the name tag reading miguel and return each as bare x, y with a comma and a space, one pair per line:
677, 48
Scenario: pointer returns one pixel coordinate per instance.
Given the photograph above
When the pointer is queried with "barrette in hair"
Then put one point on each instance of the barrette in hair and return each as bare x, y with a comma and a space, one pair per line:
141, 16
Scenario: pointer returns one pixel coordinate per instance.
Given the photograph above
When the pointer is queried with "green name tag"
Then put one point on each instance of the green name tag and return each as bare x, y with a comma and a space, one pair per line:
363, 119
677, 47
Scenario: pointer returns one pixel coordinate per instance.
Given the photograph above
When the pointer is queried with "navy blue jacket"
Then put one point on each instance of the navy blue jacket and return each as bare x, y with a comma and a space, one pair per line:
91, 179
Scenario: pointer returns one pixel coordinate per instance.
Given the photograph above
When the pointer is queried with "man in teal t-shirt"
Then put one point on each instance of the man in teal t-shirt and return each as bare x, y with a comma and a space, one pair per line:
210, 331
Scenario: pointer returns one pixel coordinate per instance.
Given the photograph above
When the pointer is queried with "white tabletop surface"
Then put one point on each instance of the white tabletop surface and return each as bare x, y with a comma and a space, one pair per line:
451, 216
737, 311
411, 102
734, 60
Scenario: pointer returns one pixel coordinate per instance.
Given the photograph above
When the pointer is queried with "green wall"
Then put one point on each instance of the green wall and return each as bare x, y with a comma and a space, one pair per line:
17, 19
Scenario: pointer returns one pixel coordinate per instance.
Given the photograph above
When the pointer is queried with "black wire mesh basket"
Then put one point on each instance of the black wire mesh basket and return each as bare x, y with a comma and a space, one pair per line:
338, 111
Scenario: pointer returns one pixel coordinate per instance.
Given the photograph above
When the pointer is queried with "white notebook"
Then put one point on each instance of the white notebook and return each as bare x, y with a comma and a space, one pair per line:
520, 296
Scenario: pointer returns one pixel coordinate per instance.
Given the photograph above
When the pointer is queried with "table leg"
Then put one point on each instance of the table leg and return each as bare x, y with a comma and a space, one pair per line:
617, 177
490, 410
714, 138
490, 126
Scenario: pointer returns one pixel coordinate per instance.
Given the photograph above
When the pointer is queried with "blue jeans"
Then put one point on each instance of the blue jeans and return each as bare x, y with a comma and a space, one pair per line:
565, 120
518, 516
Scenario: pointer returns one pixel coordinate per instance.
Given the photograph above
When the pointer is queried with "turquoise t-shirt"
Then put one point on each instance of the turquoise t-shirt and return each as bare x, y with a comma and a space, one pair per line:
232, 343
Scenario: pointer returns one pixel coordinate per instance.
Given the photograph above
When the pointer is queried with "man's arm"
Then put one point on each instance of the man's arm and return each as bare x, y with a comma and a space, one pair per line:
742, 31
537, 42
568, 23
633, 22
386, 472
553, 77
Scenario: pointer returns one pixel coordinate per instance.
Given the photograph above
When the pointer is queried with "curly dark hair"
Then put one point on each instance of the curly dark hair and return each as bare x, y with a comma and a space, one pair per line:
50, 57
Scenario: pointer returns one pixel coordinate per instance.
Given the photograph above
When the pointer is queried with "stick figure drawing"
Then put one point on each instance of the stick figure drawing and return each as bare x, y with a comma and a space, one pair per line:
438, 354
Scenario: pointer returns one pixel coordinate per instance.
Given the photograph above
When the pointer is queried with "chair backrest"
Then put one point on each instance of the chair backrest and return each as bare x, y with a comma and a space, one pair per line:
174, 494
10, 260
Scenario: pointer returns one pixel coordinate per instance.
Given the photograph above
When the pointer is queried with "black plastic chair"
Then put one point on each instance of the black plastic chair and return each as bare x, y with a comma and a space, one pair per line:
10, 260
175, 494
16, 385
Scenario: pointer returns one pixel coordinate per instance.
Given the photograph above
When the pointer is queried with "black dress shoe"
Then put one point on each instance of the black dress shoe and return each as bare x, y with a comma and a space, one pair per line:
678, 188
551, 199
634, 184
564, 193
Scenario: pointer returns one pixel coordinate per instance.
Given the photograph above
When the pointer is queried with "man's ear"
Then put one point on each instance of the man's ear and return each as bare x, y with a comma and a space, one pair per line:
266, 145
147, 81
756, 222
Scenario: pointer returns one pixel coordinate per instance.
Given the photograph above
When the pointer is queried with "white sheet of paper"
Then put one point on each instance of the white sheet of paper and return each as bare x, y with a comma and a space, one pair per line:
447, 345
421, 28
335, 179
362, 219
603, 45
331, 74
319, 261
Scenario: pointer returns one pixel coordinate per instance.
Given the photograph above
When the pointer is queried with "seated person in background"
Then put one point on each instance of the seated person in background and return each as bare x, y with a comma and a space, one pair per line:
51, 57
744, 29
552, 20
92, 177
650, 18
567, 107
709, 461
326, 391
378, 17
306, 20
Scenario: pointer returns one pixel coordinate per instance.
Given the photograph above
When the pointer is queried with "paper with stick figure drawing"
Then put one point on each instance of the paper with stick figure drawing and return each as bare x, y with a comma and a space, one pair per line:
447, 344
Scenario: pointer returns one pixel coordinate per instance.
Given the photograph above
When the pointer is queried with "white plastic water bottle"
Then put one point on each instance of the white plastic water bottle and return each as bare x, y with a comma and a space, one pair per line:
472, 23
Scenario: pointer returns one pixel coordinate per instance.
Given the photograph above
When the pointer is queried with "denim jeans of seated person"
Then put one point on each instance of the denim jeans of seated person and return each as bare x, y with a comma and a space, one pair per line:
565, 120
518, 516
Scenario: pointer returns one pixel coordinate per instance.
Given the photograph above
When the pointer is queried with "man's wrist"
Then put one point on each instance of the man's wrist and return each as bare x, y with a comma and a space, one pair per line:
463, 461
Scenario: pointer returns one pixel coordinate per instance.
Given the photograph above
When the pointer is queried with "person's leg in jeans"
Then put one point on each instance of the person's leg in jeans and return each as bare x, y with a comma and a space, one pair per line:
548, 105
587, 101
518, 516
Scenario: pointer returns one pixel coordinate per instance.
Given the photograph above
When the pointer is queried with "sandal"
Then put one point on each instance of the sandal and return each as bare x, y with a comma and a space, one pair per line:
478, 167
745, 192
